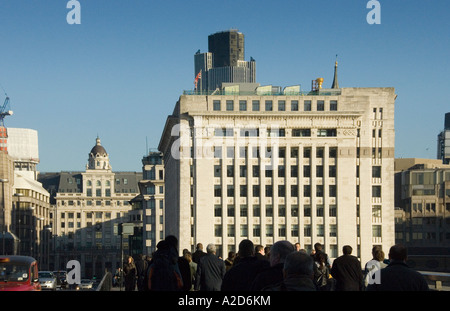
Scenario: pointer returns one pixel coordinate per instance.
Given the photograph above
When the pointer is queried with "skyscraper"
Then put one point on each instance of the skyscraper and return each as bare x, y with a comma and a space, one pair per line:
443, 148
224, 62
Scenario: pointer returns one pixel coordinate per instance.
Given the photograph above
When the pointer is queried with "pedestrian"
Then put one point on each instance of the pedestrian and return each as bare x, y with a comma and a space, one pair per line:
183, 264
129, 270
163, 272
267, 252
322, 273
141, 269
375, 264
192, 265
198, 253
259, 252
347, 272
210, 271
318, 248
397, 276
298, 274
229, 260
242, 274
274, 274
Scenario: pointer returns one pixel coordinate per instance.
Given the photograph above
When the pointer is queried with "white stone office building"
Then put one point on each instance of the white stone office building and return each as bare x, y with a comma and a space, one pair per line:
87, 207
304, 167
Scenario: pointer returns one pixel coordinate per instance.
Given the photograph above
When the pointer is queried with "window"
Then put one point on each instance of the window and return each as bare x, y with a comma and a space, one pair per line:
376, 191
244, 230
333, 230
294, 105
230, 190
230, 170
249, 132
319, 191
216, 105
282, 230
255, 170
217, 152
218, 230
307, 105
217, 190
320, 105
326, 133
376, 171
294, 152
223, 132
230, 105
332, 210
269, 230
301, 133
256, 190
242, 105
269, 210
256, 211
243, 210
306, 171
218, 210
257, 230
376, 231
243, 171
217, 170
230, 210
332, 171
320, 231
269, 190
255, 105
269, 105
281, 190
294, 230
281, 105
319, 170
294, 191
332, 191
306, 191
282, 210
243, 190
319, 210
294, 171
307, 230
333, 105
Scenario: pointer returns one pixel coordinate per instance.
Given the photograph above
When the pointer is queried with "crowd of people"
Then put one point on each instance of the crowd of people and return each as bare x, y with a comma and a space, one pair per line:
282, 267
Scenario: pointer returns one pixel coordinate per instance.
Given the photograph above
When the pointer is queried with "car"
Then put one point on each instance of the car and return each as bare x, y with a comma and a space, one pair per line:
19, 273
47, 280
86, 284
61, 279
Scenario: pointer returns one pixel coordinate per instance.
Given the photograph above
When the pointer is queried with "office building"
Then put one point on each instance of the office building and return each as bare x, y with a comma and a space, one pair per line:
305, 167
224, 62
87, 208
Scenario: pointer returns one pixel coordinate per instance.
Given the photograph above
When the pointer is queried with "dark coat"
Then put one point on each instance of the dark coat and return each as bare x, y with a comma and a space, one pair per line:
241, 275
397, 276
197, 255
347, 272
210, 272
269, 276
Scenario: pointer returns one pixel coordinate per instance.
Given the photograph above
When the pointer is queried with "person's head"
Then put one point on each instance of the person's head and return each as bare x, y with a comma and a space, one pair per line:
297, 246
172, 240
347, 249
246, 249
318, 247
398, 252
188, 256
279, 251
211, 248
130, 259
378, 255
321, 258
259, 249
231, 255
298, 264
200, 246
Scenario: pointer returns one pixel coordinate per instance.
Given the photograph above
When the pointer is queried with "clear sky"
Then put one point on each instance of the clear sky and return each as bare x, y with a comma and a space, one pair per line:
119, 73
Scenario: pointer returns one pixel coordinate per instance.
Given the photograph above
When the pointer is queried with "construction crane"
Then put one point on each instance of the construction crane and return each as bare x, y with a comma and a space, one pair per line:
4, 110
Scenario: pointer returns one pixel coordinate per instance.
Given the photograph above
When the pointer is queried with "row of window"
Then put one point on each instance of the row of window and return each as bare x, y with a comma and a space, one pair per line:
91, 203
280, 171
98, 215
269, 191
256, 152
269, 210
273, 132
280, 105
98, 183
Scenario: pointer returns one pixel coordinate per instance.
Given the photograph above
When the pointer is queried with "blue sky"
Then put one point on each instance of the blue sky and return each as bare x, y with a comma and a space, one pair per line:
119, 73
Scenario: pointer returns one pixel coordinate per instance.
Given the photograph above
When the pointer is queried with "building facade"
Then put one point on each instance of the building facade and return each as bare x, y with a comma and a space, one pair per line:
152, 190
304, 167
87, 208
423, 196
